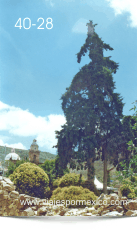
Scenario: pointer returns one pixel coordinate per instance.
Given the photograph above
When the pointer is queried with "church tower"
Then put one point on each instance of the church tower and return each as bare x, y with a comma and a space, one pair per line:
34, 152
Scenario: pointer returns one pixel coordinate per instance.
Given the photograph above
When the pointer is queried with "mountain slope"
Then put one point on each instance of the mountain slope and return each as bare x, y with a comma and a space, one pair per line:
25, 154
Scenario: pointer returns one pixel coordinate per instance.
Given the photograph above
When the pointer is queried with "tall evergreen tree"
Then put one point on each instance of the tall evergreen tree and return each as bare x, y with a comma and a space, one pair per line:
92, 109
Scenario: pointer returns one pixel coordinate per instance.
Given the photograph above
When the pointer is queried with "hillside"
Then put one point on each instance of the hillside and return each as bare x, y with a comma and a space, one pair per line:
24, 154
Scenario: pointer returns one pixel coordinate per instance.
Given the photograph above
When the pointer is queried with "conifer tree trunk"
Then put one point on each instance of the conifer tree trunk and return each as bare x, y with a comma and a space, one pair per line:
90, 173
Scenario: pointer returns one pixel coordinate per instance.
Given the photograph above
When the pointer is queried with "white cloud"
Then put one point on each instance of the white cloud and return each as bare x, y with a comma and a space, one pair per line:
22, 123
80, 26
16, 145
124, 6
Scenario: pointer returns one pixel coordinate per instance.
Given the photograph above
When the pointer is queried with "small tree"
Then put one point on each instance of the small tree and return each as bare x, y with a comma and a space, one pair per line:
127, 166
12, 166
53, 170
132, 143
49, 167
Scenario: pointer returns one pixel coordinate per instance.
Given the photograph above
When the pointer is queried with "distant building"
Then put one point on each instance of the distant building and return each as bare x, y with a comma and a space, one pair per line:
34, 152
12, 156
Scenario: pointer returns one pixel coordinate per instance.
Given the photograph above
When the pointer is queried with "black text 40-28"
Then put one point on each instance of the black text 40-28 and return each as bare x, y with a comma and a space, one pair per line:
40, 25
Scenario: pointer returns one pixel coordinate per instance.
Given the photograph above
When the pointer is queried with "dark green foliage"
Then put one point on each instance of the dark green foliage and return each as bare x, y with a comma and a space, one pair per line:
128, 161
11, 168
133, 141
53, 170
91, 187
60, 171
92, 109
125, 189
49, 167
129, 187
72, 165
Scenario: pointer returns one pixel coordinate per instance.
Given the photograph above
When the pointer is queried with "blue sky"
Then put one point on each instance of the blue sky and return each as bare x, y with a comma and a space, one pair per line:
36, 65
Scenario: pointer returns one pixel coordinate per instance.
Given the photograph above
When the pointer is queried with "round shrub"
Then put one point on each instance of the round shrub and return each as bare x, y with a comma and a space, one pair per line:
73, 196
56, 183
127, 181
134, 179
125, 189
131, 195
31, 180
71, 179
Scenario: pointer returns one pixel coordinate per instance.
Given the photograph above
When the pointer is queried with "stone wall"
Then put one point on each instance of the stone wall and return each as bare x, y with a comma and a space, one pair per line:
14, 204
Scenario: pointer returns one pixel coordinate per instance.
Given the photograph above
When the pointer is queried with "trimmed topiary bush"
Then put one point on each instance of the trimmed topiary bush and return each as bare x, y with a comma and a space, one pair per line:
71, 179
31, 180
73, 196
